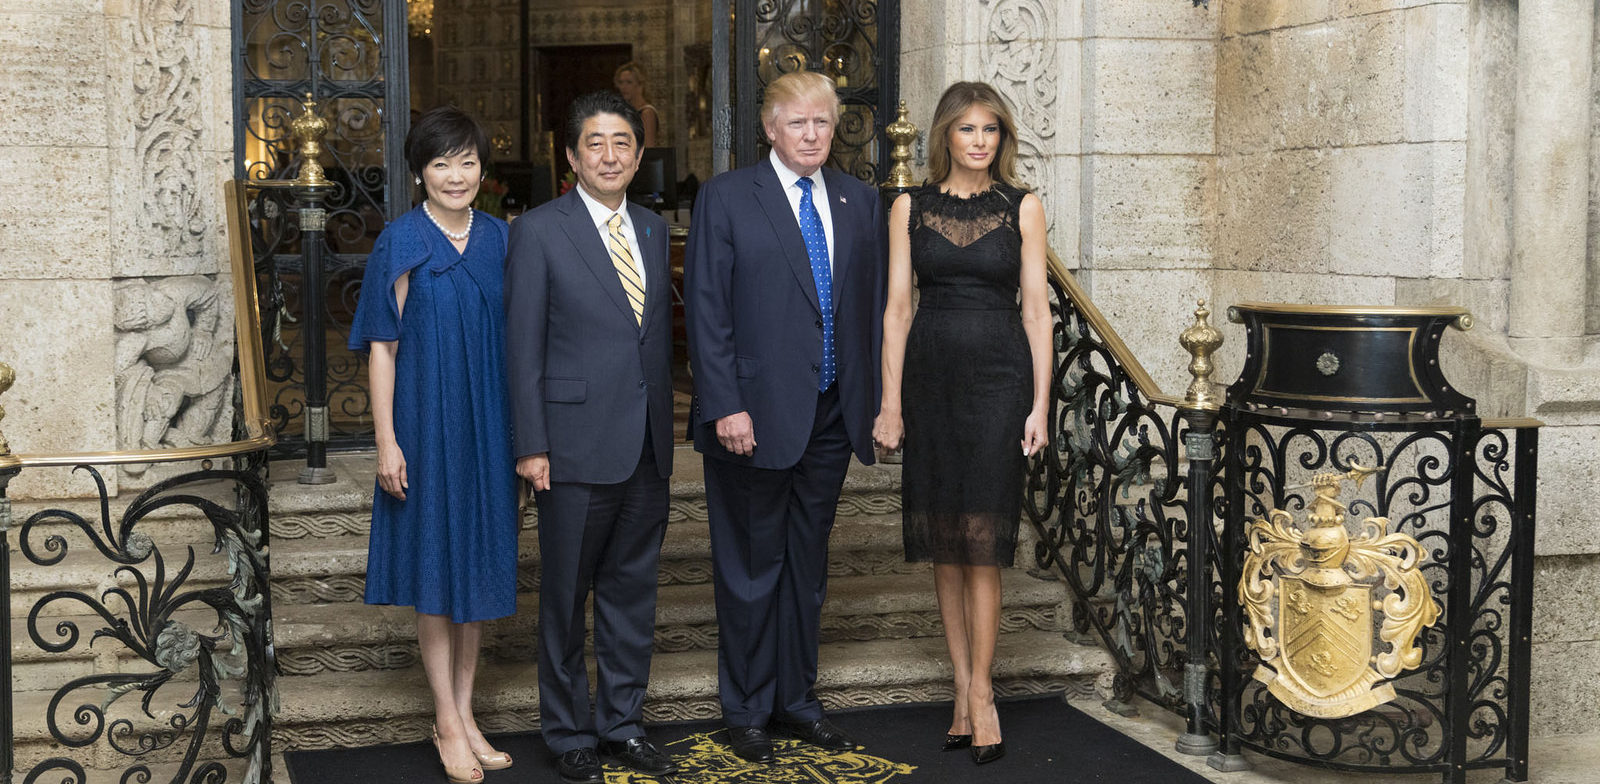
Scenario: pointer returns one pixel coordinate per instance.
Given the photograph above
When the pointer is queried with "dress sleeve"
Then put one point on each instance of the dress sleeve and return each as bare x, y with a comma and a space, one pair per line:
377, 318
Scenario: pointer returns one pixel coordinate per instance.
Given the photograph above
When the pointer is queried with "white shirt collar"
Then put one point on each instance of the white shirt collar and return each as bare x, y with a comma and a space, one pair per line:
601, 214
788, 178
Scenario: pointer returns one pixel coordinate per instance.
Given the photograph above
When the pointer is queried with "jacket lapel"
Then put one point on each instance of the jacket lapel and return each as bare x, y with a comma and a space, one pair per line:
585, 237
843, 231
657, 275
775, 203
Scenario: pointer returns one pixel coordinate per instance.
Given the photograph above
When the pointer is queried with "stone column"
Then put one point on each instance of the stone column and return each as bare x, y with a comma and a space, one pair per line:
1550, 189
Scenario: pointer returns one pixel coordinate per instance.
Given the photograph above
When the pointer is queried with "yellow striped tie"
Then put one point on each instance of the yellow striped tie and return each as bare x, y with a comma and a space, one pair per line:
622, 259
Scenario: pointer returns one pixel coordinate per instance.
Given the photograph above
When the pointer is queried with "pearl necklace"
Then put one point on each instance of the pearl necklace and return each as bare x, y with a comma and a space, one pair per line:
448, 233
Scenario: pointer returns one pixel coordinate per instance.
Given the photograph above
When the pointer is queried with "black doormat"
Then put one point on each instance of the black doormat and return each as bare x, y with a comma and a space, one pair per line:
1047, 740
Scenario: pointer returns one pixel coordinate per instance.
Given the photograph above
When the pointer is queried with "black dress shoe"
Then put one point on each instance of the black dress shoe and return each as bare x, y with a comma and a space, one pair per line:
640, 754
956, 742
580, 766
983, 755
751, 743
820, 733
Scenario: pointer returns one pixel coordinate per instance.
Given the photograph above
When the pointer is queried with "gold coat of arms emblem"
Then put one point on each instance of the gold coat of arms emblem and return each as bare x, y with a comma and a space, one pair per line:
1333, 616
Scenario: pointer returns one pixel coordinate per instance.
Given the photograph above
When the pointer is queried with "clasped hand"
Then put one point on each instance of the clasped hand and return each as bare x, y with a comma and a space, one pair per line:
888, 430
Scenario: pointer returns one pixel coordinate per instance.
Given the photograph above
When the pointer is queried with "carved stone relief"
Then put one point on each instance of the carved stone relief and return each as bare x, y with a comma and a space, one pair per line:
174, 362
1019, 59
165, 107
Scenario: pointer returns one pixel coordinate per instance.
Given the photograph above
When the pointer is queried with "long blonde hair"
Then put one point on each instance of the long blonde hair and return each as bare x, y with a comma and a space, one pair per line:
955, 102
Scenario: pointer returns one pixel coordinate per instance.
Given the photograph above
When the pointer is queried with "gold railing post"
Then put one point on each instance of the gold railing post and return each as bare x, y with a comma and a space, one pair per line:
1199, 408
7, 378
310, 189
902, 134
10, 466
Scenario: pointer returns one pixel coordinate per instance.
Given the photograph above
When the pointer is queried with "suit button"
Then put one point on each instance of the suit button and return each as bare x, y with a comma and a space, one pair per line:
819, 323
641, 383
816, 368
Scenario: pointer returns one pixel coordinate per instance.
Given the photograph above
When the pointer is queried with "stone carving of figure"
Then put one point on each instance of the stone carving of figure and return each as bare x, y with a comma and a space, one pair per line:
173, 363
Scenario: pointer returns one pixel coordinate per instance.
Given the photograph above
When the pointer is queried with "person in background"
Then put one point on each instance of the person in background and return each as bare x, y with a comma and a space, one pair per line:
966, 385
630, 80
444, 512
783, 289
589, 348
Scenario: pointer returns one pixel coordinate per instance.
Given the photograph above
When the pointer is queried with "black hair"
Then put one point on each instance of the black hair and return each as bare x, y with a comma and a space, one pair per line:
600, 102
441, 132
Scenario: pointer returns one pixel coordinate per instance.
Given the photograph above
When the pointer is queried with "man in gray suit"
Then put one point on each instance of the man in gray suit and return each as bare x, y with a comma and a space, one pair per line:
589, 348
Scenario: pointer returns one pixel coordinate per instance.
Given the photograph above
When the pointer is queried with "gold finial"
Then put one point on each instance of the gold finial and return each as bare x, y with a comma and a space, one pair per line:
902, 133
1201, 340
7, 378
309, 128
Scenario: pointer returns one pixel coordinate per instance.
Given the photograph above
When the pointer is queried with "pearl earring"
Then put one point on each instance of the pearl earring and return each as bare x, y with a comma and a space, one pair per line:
419, 180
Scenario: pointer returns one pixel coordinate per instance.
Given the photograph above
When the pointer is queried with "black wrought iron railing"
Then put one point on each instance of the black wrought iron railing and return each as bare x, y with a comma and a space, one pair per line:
1151, 507
192, 693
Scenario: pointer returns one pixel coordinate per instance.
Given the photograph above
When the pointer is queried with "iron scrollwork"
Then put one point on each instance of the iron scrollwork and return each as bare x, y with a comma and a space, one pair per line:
853, 42
1106, 501
348, 56
213, 638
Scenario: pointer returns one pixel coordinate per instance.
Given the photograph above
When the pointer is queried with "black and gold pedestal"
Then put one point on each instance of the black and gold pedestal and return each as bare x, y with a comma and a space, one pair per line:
1375, 563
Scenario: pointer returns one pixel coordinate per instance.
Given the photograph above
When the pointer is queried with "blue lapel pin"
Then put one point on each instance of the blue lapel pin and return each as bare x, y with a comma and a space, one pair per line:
647, 231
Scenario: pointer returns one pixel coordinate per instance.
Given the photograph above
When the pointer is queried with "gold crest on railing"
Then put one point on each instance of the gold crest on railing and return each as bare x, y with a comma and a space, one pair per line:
1310, 597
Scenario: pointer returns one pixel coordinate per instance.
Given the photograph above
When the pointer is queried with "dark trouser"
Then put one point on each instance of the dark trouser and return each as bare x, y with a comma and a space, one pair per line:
769, 550
606, 538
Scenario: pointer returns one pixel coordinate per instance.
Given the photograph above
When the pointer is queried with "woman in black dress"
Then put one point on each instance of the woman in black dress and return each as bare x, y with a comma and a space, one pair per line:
966, 385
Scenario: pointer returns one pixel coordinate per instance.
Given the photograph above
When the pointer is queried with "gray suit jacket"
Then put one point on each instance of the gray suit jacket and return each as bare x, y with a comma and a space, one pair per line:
582, 374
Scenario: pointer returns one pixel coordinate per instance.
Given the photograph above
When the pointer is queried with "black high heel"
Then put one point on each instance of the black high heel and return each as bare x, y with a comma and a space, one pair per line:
983, 755
956, 742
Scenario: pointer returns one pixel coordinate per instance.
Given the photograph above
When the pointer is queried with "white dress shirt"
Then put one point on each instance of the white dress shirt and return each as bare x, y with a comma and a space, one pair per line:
601, 215
819, 198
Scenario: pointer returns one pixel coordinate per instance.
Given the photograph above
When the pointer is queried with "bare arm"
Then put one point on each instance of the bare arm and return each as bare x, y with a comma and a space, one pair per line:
889, 428
1036, 321
380, 378
652, 126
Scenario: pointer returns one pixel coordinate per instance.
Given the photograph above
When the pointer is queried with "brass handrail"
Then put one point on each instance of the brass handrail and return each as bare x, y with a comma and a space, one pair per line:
252, 370
1130, 364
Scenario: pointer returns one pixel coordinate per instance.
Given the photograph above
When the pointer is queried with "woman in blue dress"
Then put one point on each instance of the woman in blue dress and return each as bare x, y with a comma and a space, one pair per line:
444, 514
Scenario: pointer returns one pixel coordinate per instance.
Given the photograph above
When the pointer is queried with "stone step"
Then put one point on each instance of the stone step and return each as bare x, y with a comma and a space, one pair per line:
314, 570
375, 707
323, 638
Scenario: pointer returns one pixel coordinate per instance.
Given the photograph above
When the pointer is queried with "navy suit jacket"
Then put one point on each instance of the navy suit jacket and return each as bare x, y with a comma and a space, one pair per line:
582, 372
754, 322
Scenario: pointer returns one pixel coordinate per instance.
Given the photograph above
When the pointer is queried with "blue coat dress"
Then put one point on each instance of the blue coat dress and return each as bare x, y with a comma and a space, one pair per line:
450, 548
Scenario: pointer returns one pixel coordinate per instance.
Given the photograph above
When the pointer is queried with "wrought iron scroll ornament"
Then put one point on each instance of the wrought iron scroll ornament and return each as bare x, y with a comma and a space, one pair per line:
214, 639
1309, 596
1104, 499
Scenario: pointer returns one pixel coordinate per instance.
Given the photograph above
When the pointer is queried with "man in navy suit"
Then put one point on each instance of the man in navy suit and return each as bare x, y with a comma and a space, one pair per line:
589, 347
784, 288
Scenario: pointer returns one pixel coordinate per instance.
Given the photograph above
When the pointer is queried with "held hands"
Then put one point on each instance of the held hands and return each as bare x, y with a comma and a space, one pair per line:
535, 469
888, 430
392, 470
737, 434
1034, 437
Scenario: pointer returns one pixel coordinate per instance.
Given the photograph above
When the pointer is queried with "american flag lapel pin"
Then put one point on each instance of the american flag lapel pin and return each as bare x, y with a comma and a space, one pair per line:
842, 200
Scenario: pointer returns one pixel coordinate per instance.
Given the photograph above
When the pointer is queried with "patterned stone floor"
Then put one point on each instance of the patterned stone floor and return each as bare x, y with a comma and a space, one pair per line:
1569, 759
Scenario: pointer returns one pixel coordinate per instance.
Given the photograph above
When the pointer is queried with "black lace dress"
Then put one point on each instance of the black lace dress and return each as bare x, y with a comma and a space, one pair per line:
968, 381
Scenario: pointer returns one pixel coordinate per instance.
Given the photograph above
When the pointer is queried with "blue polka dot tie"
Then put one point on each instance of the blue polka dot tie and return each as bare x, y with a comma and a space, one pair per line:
817, 249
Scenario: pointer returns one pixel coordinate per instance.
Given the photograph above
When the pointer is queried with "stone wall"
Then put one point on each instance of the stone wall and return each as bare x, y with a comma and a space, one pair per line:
115, 138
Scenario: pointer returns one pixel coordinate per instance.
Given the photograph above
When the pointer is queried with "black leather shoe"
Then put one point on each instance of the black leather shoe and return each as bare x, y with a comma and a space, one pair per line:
751, 743
639, 754
983, 755
956, 742
820, 733
580, 766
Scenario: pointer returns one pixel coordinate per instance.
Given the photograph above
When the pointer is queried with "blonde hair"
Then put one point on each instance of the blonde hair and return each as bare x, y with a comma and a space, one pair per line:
638, 71
955, 102
798, 87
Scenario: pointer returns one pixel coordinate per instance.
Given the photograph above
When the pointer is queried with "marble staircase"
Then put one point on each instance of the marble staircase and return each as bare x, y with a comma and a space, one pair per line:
350, 673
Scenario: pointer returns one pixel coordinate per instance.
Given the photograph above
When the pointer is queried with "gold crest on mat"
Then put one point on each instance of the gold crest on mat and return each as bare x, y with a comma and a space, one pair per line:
1310, 596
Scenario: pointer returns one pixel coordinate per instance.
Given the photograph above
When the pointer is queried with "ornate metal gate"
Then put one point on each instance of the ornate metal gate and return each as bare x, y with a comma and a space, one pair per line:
855, 42
350, 56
